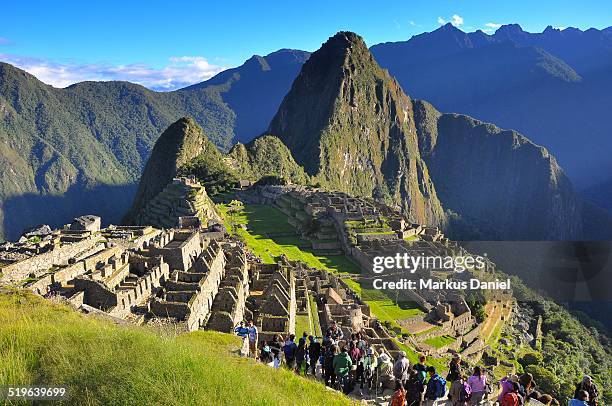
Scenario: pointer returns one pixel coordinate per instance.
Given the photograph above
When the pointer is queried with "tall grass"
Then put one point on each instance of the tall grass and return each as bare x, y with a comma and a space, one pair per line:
104, 363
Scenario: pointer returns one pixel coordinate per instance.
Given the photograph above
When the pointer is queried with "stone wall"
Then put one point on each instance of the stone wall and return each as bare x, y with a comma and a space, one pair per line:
40, 264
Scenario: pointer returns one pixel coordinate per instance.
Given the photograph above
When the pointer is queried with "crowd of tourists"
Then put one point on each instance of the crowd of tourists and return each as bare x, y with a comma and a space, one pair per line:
345, 363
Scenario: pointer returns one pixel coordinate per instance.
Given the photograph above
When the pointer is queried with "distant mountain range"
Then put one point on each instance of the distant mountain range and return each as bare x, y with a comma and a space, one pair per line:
351, 128
81, 149
553, 86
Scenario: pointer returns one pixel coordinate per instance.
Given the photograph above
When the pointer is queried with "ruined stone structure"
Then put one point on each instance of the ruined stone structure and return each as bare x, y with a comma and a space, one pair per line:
182, 197
273, 299
197, 269
229, 306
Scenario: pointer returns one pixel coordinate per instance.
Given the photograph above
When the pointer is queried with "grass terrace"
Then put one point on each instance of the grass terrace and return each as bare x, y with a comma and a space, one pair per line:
439, 341
268, 234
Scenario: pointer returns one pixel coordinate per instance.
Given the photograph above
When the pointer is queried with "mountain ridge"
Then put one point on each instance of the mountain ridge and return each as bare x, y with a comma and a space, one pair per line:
93, 139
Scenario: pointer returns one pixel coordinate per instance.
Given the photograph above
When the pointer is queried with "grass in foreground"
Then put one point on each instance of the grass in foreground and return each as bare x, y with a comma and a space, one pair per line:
103, 363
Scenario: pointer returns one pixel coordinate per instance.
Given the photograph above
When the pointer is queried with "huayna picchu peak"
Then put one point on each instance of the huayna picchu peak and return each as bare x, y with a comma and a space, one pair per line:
352, 128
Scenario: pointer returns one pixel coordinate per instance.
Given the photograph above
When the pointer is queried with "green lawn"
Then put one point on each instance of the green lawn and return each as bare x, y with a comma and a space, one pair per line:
439, 341
100, 362
263, 223
302, 324
314, 310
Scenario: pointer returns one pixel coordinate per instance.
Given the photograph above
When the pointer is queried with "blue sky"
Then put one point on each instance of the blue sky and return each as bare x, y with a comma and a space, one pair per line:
167, 44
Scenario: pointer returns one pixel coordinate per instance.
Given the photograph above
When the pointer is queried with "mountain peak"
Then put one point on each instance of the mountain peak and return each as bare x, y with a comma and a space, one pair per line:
349, 124
510, 29
343, 41
181, 142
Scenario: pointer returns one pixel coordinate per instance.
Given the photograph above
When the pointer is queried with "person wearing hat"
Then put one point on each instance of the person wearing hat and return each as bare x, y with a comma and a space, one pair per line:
385, 369
589, 387
400, 369
370, 362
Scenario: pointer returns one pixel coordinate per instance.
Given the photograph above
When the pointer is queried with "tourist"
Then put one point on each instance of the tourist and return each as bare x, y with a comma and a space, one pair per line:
328, 363
581, 398
327, 340
385, 370
335, 332
454, 369
242, 332
506, 384
400, 369
314, 352
342, 367
526, 385
512, 397
478, 385
589, 387
362, 344
460, 392
399, 397
355, 355
546, 399
356, 358
289, 349
275, 346
253, 337
415, 388
265, 354
436, 387
370, 362
421, 369
301, 355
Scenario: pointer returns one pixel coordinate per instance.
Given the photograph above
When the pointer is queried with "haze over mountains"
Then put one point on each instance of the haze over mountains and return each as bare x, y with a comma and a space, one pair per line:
553, 87
81, 149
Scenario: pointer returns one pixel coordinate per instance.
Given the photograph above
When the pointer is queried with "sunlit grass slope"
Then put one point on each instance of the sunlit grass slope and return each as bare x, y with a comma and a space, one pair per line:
105, 363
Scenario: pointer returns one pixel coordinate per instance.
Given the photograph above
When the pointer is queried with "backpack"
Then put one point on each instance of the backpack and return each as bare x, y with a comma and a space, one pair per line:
440, 387
398, 370
398, 398
290, 350
421, 376
466, 392
510, 399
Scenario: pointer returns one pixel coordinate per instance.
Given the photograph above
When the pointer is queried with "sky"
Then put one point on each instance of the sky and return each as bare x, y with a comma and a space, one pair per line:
166, 45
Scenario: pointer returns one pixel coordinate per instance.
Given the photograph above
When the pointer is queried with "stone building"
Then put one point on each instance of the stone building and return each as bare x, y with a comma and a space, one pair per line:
197, 269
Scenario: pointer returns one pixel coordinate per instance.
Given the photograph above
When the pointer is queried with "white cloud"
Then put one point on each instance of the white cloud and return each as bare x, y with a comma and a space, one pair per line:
179, 72
412, 23
560, 28
492, 25
455, 20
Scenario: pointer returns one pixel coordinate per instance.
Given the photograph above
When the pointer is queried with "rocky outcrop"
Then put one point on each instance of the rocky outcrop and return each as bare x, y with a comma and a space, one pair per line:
266, 156
497, 179
349, 124
181, 142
